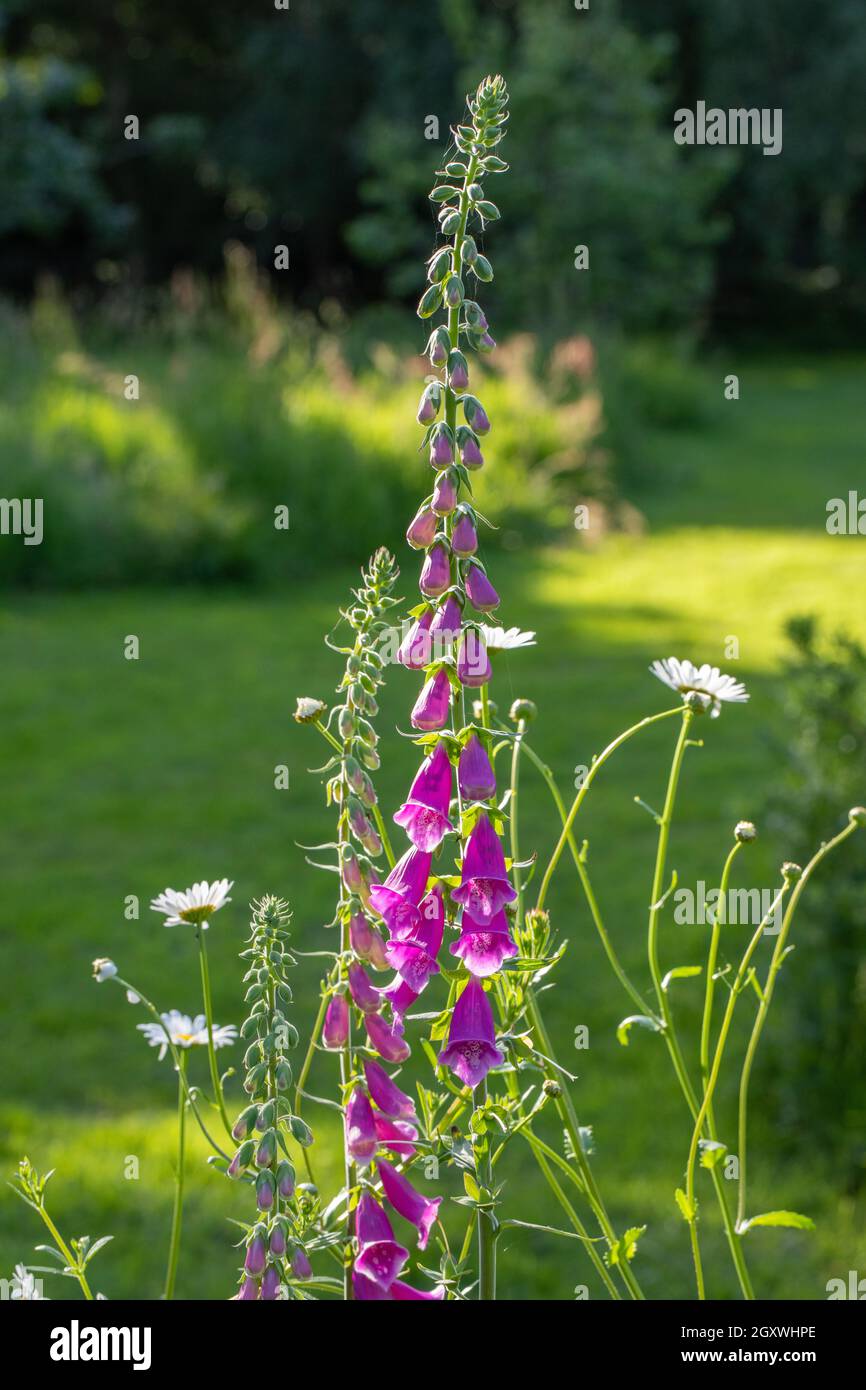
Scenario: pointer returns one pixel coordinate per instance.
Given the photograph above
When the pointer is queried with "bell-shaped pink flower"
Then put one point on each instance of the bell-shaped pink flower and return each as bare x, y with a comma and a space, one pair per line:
396, 900
464, 537
475, 777
483, 946
396, 1135
473, 660
470, 451
364, 994
401, 998
441, 447
424, 813
365, 1291
271, 1284
480, 591
403, 1293
413, 955
380, 1258
386, 1041
435, 572
433, 706
414, 650
361, 1140
446, 621
444, 493
422, 529
335, 1030
408, 1202
485, 887
471, 1049
366, 942
386, 1094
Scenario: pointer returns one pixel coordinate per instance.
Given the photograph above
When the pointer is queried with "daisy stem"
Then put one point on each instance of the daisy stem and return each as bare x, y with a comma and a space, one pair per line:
706, 1110
598, 763
211, 1051
778, 956
513, 826
177, 1214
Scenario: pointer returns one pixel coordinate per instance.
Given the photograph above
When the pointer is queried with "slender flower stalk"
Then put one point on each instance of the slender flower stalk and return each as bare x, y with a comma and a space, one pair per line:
177, 1212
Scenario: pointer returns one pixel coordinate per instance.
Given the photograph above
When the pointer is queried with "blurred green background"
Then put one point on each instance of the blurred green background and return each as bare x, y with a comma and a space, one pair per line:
259, 388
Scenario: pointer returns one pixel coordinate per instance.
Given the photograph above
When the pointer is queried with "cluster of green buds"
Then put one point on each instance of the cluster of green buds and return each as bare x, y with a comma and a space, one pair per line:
274, 1252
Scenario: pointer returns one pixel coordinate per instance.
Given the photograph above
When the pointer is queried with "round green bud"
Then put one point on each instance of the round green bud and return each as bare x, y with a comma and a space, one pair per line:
523, 709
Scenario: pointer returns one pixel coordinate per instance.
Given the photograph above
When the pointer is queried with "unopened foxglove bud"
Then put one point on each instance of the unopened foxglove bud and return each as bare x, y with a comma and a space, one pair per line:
430, 301
267, 1149
458, 371
433, 706
365, 995
266, 1116
283, 1074
345, 723
243, 1125
445, 493
301, 1132
285, 1178
256, 1256
270, 1284
430, 402
354, 775
265, 1190
475, 316
422, 530
483, 269
473, 661
450, 222
470, 452
439, 346
453, 291
441, 447
476, 415
301, 1267
480, 591
242, 1159
440, 265
435, 572
464, 537
468, 251
277, 1240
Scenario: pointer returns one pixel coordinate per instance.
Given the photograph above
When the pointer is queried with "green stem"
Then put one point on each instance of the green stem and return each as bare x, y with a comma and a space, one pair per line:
572, 1215
487, 1225
710, 983
590, 777
177, 1214
219, 1100
766, 1000
67, 1254
305, 1071
383, 835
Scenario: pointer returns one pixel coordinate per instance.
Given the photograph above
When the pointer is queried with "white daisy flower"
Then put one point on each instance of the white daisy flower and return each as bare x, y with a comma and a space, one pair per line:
185, 1032
506, 639
704, 680
103, 969
198, 904
25, 1286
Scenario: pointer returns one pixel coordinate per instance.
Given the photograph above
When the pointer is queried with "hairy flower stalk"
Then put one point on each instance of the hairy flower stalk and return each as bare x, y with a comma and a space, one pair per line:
273, 1246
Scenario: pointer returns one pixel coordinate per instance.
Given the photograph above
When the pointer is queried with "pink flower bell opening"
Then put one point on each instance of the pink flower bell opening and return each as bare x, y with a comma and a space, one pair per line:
471, 1048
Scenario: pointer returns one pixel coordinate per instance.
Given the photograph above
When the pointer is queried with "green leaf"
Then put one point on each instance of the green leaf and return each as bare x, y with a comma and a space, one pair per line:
642, 1022
680, 972
780, 1218
688, 1208
471, 1187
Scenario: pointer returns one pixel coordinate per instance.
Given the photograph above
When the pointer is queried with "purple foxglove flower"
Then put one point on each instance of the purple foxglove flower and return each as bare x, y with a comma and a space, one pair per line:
387, 1042
435, 572
256, 1255
476, 415
483, 946
401, 998
414, 652
424, 813
441, 447
447, 620
486, 342
444, 494
471, 1050
392, 1102
352, 874
470, 451
360, 935
480, 591
404, 1292
408, 1202
380, 1257
248, 1291
473, 661
464, 537
396, 1135
378, 959
396, 900
277, 1242
285, 1178
271, 1283
433, 706
335, 1030
485, 887
361, 1141
265, 1190
364, 995
366, 1291
422, 529
414, 956
458, 371
301, 1267
475, 775
428, 406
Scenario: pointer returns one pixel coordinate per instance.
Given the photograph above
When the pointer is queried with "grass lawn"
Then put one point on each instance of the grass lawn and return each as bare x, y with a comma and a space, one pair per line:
124, 776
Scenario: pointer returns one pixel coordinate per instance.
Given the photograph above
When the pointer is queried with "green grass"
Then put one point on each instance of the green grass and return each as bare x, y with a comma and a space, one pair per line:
125, 776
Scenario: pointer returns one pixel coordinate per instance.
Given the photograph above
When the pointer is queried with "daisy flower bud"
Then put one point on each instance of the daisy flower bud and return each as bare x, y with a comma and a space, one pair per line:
858, 815
103, 969
309, 710
744, 832
791, 872
523, 709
